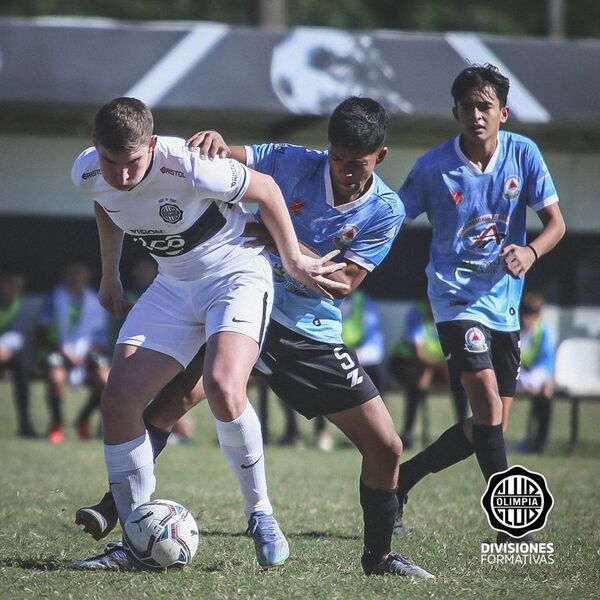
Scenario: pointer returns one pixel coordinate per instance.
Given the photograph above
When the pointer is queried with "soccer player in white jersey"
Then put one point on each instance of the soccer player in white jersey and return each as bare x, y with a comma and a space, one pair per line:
210, 288
335, 200
475, 190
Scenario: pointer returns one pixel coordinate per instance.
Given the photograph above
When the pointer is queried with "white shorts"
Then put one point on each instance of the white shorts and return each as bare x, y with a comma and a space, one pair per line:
177, 317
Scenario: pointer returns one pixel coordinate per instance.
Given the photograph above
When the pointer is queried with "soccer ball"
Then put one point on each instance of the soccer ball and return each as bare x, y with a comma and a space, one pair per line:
161, 534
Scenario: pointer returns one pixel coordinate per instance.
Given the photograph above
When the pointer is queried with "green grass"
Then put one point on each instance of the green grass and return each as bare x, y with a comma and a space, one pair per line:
316, 499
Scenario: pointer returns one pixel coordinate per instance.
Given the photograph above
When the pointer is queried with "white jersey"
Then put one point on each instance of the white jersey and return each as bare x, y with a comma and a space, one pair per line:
184, 212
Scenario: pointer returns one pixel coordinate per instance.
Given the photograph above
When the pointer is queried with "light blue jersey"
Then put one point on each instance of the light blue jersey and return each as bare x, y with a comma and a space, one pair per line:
363, 230
474, 215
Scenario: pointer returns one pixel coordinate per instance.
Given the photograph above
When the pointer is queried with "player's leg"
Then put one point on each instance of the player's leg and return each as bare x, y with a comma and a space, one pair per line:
137, 375
418, 381
97, 376
56, 382
370, 427
228, 363
172, 402
22, 394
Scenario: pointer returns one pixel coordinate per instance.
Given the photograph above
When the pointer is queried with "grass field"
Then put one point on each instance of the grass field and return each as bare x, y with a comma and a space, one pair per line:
316, 499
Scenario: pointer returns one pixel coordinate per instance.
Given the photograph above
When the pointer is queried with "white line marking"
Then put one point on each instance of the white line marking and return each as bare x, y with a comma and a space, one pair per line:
521, 101
177, 63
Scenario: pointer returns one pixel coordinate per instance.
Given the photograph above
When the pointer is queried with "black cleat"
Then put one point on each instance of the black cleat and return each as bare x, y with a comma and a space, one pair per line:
100, 519
399, 528
394, 564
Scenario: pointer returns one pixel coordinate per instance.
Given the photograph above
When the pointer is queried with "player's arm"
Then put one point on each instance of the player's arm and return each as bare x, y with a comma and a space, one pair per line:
309, 270
210, 144
519, 259
110, 294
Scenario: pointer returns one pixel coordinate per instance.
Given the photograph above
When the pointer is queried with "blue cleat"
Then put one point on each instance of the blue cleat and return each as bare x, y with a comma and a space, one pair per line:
115, 557
272, 549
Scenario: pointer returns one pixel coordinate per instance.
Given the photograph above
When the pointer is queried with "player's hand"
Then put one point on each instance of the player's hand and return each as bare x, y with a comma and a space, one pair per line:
517, 260
258, 235
311, 272
210, 144
111, 298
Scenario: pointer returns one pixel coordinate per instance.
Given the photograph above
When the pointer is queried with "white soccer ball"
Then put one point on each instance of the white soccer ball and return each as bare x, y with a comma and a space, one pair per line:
161, 534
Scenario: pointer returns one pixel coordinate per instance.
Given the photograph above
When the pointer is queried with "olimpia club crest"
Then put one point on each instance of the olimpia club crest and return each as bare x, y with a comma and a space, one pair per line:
170, 213
517, 501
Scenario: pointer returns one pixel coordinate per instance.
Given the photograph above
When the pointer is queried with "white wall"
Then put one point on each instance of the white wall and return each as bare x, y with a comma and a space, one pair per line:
35, 176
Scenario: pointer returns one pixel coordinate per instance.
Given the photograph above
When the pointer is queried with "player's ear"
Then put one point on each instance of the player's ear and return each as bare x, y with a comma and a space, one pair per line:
455, 112
381, 155
152, 144
504, 113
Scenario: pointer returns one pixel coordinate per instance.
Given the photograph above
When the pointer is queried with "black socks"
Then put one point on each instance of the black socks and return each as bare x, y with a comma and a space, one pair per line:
488, 441
379, 511
158, 438
450, 448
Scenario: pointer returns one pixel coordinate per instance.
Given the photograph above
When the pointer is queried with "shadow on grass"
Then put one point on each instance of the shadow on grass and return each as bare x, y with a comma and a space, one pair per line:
48, 564
315, 535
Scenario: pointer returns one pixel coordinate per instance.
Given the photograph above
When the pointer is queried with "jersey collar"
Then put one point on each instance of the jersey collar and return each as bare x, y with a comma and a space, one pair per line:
474, 169
349, 205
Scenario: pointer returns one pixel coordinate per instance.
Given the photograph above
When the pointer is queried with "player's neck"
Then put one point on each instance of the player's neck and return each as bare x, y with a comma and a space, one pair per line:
479, 154
340, 200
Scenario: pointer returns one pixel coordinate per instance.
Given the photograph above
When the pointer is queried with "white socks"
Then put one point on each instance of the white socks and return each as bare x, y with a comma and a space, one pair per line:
241, 443
130, 473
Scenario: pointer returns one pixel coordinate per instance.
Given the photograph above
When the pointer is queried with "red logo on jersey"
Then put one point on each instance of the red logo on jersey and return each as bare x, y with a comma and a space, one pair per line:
457, 197
297, 206
489, 233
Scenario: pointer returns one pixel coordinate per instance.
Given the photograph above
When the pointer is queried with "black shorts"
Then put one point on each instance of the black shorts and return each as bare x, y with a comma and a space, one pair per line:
471, 346
314, 377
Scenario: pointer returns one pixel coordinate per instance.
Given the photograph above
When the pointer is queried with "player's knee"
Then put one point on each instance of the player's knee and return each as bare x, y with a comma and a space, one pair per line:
224, 390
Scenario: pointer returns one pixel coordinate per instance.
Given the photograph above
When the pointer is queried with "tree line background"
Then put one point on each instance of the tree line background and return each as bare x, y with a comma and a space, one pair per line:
555, 18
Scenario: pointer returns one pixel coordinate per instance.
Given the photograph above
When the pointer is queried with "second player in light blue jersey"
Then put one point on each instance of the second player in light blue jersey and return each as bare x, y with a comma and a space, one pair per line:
475, 190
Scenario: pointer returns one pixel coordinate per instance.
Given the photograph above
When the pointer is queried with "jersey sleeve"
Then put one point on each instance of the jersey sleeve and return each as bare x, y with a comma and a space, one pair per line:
541, 191
374, 241
221, 179
263, 157
411, 193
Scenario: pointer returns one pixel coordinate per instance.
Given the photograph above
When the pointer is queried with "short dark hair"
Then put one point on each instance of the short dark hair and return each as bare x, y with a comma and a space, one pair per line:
480, 77
358, 124
123, 124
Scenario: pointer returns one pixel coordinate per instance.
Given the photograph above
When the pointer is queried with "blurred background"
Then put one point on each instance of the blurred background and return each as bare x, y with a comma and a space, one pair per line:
272, 70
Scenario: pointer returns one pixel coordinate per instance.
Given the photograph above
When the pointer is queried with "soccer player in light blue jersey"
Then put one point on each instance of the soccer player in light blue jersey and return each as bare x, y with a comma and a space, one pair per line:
335, 201
475, 190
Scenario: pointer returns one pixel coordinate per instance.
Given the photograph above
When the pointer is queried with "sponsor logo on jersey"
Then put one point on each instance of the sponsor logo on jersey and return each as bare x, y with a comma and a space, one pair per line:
236, 171
89, 174
484, 235
457, 197
517, 501
173, 172
475, 341
170, 213
345, 236
512, 187
296, 206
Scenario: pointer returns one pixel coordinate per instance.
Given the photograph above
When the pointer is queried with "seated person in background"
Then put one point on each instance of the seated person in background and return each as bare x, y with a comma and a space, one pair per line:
143, 272
71, 335
362, 331
12, 343
418, 362
538, 344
